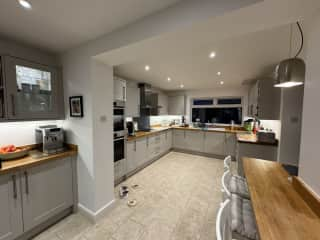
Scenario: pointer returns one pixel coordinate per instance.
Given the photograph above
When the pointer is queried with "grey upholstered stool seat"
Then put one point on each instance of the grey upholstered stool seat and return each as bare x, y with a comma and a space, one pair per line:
238, 185
243, 222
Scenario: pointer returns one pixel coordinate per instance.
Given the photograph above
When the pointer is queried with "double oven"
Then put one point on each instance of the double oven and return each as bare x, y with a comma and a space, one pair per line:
119, 139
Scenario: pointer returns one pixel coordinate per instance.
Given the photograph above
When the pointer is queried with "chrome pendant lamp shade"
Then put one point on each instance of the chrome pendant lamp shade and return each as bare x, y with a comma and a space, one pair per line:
291, 72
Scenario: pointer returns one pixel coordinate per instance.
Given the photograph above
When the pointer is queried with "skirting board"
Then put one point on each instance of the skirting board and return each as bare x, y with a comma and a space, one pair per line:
95, 216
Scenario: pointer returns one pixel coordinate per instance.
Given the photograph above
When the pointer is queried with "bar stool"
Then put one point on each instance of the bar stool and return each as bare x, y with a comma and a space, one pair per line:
233, 184
235, 220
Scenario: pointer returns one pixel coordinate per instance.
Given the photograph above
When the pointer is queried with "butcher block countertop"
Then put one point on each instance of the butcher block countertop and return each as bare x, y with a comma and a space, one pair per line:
28, 161
156, 130
252, 139
281, 212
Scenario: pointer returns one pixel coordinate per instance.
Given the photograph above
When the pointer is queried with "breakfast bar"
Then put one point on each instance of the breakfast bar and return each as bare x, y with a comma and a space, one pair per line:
281, 212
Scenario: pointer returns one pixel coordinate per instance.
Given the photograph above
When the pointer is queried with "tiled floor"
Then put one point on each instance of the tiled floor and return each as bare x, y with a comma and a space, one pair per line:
178, 197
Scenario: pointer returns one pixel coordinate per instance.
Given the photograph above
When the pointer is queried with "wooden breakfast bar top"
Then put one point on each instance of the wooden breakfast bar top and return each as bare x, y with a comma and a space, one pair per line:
280, 212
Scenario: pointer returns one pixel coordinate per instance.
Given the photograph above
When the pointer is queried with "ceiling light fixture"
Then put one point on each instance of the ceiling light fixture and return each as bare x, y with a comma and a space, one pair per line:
219, 73
25, 4
147, 67
212, 55
169, 79
181, 86
221, 82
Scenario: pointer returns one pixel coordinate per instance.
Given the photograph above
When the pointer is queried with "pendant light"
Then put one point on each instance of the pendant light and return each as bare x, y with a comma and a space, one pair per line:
291, 72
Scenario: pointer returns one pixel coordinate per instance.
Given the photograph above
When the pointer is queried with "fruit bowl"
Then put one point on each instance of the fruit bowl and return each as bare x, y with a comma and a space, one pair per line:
18, 153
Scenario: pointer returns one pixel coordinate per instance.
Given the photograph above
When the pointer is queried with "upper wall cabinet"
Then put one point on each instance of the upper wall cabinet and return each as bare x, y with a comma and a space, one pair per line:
176, 105
264, 100
30, 91
119, 89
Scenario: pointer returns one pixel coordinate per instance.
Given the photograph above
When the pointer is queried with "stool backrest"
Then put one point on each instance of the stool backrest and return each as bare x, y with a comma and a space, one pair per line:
225, 182
227, 163
223, 223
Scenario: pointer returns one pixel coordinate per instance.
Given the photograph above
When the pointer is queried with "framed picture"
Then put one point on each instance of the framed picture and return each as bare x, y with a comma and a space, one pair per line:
76, 106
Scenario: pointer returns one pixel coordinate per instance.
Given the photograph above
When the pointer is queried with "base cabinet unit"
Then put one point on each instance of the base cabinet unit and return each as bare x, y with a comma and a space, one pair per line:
46, 191
153, 146
267, 152
33, 196
179, 139
215, 143
194, 141
136, 155
11, 225
231, 144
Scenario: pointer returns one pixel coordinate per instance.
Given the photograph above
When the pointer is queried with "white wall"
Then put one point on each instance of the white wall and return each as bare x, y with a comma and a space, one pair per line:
92, 133
309, 152
22, 133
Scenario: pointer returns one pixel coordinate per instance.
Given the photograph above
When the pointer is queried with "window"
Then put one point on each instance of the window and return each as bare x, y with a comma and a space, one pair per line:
201, 102
217, 115
229, 101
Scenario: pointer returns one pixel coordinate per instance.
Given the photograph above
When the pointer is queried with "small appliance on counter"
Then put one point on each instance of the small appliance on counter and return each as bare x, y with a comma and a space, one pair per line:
130, 127
266, 136
51, 139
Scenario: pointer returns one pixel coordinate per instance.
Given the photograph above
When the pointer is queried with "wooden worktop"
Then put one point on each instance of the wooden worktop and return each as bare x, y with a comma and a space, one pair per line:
28, 161
280, 211
156, 130
252, 139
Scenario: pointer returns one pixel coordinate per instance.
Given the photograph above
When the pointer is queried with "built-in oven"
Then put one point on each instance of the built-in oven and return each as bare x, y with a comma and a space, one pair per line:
119, 148
119, 140
119, 119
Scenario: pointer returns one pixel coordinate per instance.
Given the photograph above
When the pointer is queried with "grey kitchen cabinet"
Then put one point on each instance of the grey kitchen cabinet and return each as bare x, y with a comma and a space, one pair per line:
214, 143
163, 103
168, 140
141, 152
264, 100
133, 101
30, 91
11, 225
136, 154
177, 105
154, 146
119, 89
130, 156
230, 144
194, 141
47, 189
179, 139
267, 152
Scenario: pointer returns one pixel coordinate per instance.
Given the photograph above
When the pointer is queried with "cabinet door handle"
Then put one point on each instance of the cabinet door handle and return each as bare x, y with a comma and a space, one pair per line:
13, 105
14, 181
26, 182
124, 93
135, 146
184, 132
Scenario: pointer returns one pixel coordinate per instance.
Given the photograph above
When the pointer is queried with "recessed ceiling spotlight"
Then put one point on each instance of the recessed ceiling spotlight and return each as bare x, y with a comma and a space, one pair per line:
221, 82
147, 68
181, 86
212, 55
169, 79
25, 4
219, 73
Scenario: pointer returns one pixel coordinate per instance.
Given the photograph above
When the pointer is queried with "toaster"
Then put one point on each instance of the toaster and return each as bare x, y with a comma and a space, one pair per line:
50, 138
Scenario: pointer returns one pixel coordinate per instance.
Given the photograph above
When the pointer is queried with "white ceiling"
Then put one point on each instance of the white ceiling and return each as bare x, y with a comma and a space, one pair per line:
241, 58
249, 42
57, 25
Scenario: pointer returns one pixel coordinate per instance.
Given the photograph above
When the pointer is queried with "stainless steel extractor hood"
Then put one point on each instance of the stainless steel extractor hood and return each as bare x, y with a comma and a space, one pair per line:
290, 73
